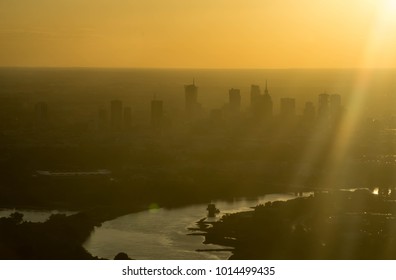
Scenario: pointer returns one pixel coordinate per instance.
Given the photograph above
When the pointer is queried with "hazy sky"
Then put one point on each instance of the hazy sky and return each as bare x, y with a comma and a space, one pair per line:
198, 33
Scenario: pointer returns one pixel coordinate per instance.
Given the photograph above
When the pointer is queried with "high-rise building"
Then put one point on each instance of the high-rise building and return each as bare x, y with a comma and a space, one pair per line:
323, 106
255, 93
266, 103
287, 108
116, 114
191, 98
262, 106
157, 113
234, 100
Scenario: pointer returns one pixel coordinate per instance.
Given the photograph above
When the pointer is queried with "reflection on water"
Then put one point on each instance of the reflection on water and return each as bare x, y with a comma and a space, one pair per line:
34, 216
162, 234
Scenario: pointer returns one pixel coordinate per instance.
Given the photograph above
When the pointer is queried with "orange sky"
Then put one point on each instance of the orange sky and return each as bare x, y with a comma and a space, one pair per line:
198, 33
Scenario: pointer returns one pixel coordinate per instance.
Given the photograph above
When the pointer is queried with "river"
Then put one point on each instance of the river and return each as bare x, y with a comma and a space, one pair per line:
157, 234
163, 233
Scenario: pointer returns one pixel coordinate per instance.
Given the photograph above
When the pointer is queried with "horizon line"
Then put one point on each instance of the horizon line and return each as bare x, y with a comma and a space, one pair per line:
197, 68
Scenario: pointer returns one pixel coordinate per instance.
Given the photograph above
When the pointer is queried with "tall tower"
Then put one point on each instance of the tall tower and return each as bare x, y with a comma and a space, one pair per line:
266, 103
266, 87
261, 104
323, 106
255, 93
191, 97
116, 114
234, 100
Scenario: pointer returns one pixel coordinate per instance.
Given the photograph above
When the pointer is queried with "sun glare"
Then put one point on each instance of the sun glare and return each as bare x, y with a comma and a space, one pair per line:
379, 49
378, 52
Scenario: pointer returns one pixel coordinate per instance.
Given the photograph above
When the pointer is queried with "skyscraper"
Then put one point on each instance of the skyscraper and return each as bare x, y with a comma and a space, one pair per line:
255, 93
267, 103
116, 114
323, 106
234, 100
191, 97
261, 104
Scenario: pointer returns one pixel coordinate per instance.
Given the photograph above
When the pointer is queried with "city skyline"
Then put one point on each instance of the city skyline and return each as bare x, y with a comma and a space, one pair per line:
111, 146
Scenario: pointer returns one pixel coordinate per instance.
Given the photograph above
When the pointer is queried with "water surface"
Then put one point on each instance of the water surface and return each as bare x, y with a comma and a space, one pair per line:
162, 233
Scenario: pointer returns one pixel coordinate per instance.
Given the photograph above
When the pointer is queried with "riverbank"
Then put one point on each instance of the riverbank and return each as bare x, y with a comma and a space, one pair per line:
94, 218
185, 212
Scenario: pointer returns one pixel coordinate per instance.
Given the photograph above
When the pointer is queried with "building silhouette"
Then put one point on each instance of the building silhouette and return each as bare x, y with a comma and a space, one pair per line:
157, 113
267, 102
234, 100
323, 106
255, 93
116, 114
336, 109
329, 108
191, 100
263, 107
